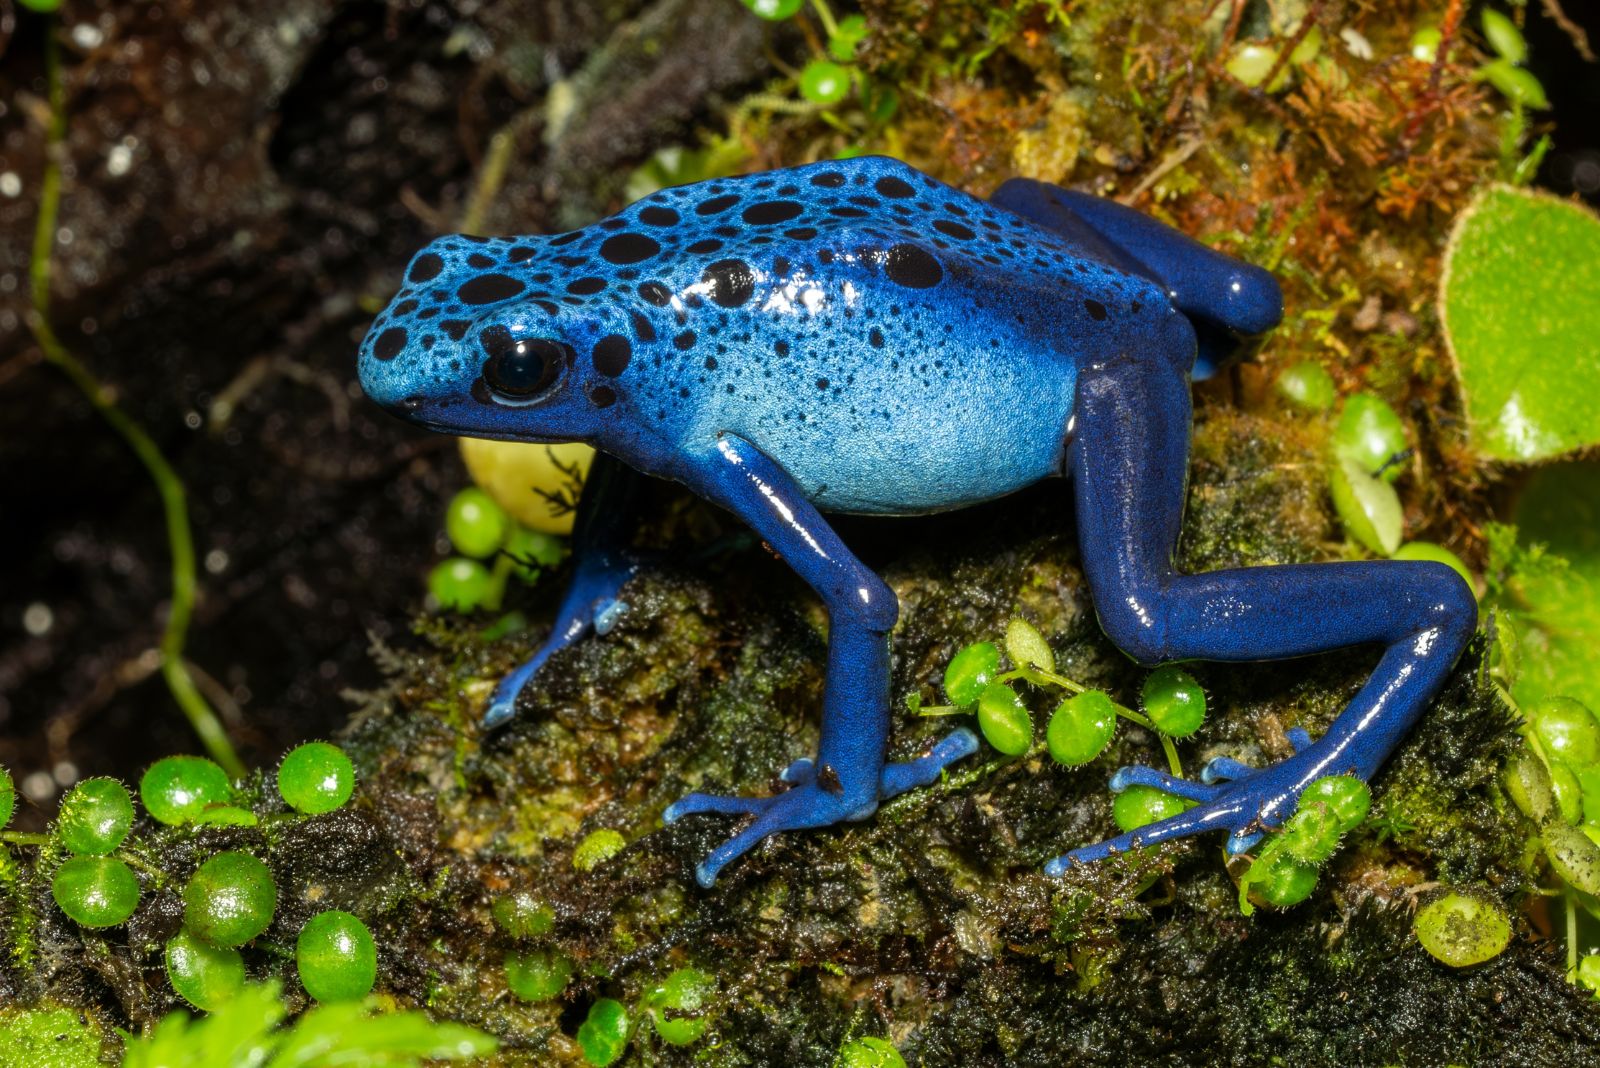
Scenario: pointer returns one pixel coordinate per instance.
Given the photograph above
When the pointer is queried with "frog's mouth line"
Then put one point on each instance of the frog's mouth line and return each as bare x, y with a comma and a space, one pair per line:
412, 410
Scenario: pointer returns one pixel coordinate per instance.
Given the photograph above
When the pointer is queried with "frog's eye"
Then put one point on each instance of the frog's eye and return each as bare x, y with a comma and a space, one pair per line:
521, 368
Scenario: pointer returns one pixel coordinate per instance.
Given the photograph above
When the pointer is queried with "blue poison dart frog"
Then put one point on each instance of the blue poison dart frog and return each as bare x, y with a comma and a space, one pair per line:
854, 336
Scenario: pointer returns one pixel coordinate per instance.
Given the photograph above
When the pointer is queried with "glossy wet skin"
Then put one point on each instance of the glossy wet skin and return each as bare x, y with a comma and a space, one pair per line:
855, 336
896, 341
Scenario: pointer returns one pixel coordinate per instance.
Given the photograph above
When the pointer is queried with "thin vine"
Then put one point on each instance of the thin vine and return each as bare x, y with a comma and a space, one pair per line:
174, 669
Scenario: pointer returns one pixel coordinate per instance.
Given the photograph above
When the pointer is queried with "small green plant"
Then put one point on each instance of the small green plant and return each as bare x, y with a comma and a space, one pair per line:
1308, 386
521, 915
678, 1006
204, 975
95, 891
480, 530
1082, 725
94, 817
597, 848
537, 974
1462, 929
1284, 871
315, 778
1506, 71
603, 1035
336, 957
869, 1051
247, 1030
230, 899
178, 789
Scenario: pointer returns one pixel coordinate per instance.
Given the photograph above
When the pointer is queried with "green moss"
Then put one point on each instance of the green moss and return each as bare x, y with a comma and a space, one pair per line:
48, 1037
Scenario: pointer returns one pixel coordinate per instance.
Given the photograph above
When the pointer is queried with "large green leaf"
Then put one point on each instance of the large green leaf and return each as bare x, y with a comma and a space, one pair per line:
1560, 615
1520, 302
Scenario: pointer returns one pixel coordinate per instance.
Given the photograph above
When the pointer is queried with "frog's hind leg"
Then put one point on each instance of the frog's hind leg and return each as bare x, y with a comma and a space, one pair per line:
1231, 303
1128, 460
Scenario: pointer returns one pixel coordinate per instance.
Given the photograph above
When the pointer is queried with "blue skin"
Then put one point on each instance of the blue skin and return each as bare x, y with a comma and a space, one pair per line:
856, 337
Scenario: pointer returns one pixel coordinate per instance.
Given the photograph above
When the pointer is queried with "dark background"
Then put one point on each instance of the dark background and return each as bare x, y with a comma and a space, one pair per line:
243, 183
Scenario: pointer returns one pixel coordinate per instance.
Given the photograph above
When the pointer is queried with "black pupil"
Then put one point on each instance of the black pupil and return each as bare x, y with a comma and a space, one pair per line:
522, 368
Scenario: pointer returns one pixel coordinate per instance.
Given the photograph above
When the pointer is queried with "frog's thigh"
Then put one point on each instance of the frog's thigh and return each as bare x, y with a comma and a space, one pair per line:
1239, 297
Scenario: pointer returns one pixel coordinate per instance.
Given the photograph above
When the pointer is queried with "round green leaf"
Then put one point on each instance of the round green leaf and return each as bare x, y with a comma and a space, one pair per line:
1461, 930
204, 975
96, 891
336, 957
969, 671
1520, 301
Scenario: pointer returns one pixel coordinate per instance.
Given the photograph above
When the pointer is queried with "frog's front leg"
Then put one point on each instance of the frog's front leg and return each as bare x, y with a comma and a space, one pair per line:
602, 562
848, 777
1129, 460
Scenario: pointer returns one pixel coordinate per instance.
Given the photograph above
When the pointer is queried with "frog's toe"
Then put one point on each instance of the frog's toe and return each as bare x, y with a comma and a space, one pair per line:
898, 778
798, 809
1217, 815
695, 804
800, 772
1224, 769
1140, 775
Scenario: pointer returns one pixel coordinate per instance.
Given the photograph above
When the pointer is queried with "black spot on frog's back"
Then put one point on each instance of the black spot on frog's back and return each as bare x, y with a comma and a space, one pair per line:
890, 186
489, 288
730, 282
767, 212
389, 343
629, 248
912, 266
612, 354
426, 267
656, 215
716, 205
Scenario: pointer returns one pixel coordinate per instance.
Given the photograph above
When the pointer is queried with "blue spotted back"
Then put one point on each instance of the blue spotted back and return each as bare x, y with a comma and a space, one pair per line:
897, 345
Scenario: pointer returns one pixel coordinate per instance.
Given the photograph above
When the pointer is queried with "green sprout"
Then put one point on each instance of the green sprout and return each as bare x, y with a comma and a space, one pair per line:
204, 975
177, 789
537, 974
94, 817
230, 899
315, 778
336, 957
95, 891
677, 1006
597, 848
603, 1035
869, 1051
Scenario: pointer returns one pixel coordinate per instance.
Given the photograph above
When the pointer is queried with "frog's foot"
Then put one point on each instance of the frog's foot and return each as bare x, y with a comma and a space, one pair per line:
1240, 800
809, 803
1227, 769
898, 778
801, 808
503, 702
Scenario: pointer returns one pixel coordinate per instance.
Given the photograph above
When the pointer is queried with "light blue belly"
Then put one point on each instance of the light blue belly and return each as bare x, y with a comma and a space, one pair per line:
909, 449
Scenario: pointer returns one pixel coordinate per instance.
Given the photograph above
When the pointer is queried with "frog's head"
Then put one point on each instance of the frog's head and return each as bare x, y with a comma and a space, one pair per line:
475, 343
